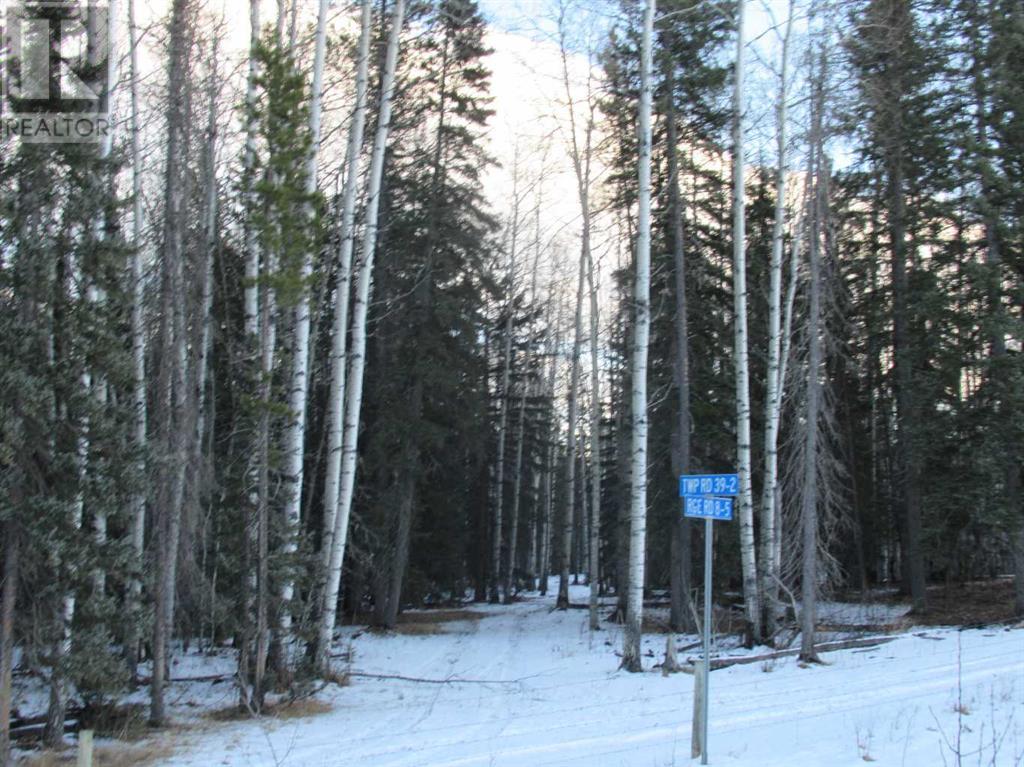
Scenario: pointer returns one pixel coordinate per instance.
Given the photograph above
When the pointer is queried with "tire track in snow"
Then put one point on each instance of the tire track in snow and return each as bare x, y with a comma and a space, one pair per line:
746, 718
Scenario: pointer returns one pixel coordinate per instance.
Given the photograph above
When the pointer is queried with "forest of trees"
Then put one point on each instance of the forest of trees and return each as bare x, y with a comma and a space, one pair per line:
273, 358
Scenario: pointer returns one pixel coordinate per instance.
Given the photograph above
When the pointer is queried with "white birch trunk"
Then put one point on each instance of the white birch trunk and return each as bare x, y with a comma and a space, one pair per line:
638, 479
532, 556
252, 249
595, 450
581, 159
583, 537
568, 521
251, 351
296, 431
549, 465
809, 499
748, 552
137, 503
773, 399
354, 386
545, 527
176, 350
210, 234
99, 576
513, 522
503, 400
526, 389
787, 331
342, 288
58, 688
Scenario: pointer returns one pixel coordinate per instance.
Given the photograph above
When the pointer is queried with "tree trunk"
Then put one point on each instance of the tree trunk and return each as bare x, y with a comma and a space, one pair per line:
532, 554
7, 604
504, 396
581, 161
906, 410
638, 475
787, 334
583, 528
175, 355
354, 384
748, 552
568, 520
595, 450
252, 249
137, 502
812, 414
513, 527
770, 569
403, 529
252, 691
251, 353
550, 463
680, 616
96, 295
295, 438
342, 289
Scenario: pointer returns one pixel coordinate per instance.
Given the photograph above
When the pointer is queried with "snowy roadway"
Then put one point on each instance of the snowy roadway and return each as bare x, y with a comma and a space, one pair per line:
547, 692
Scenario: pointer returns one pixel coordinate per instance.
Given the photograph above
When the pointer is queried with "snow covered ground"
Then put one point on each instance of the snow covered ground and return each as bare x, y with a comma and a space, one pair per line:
531, 686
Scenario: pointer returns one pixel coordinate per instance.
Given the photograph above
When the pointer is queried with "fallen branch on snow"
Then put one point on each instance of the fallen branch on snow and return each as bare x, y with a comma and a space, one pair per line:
740, 660
449, 680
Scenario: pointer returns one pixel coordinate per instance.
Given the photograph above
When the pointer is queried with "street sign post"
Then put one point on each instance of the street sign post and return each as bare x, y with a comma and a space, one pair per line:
702, 496
701, 507
709, 484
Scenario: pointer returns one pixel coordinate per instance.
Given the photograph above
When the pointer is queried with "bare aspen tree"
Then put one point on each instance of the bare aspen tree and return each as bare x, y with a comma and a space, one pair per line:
209, 229
583, 532
769, 565
581, 157
96, 296
200, 344
95, 389
568, 518
168, 526
252, 248
532, 552
594, 576
342, 289
281, 27
552, 344
354, 384
748, 552
252, 694
517, 484
638, 477
812, 414
137, 503
504, 395
251, 343
526, 388
210, 234
295, 436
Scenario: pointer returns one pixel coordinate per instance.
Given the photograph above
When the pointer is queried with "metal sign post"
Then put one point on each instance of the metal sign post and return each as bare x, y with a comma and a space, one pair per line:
702, 499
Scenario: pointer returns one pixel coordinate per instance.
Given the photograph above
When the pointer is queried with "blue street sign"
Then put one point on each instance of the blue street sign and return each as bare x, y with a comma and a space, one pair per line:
709, 484
701, 507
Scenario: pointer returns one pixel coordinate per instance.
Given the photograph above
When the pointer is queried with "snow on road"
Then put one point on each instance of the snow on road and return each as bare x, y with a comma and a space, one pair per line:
532, 686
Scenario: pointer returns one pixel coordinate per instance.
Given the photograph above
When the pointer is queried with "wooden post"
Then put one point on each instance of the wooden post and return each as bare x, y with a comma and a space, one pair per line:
84, 749
697, 736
